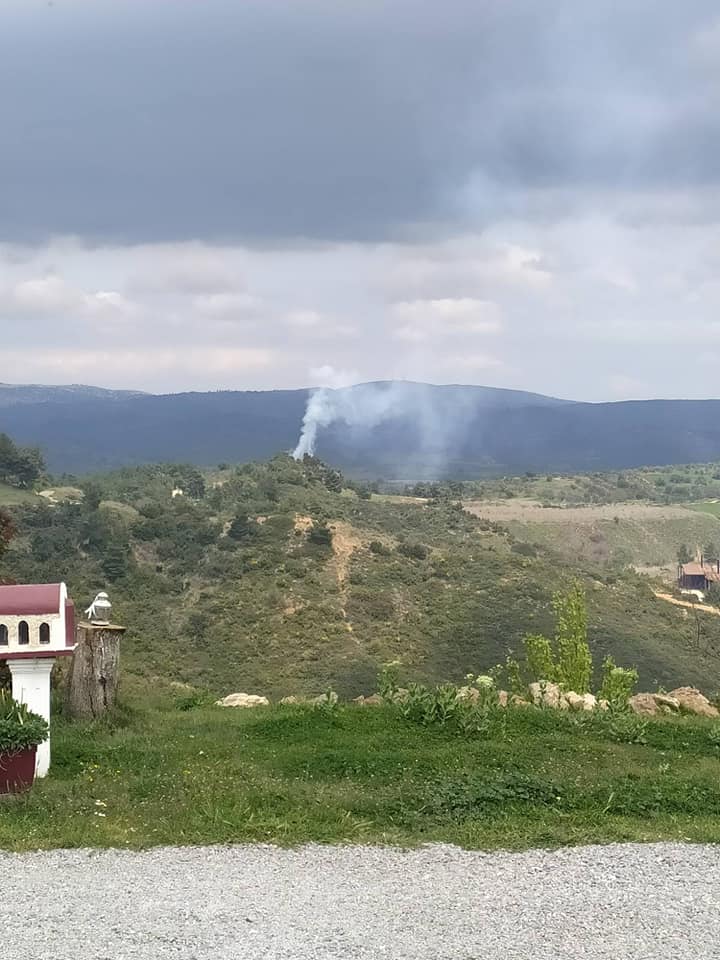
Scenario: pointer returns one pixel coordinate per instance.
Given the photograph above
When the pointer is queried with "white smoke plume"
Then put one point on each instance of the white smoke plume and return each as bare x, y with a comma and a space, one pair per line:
440, 420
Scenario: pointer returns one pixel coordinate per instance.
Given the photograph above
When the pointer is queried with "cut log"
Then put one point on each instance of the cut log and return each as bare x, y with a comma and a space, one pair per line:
92, 682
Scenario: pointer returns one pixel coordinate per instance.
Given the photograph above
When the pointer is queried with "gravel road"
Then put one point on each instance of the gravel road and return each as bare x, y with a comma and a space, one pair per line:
619, 902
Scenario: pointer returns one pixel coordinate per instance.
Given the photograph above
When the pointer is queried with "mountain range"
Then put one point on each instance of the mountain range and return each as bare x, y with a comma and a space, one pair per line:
394, 429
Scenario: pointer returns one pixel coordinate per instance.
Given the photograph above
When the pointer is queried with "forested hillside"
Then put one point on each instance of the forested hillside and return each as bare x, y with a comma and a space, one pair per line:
399, 431
280, 578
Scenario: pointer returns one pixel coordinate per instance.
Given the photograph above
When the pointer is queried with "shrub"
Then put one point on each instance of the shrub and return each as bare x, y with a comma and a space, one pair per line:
539, 658
19, 728
574, 661
321, 535
618, 684
379, 548
415, 551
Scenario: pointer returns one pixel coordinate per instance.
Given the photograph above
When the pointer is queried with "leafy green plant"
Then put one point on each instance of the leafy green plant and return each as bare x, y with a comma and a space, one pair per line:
574, 661
618, 684
19, 728
539, 658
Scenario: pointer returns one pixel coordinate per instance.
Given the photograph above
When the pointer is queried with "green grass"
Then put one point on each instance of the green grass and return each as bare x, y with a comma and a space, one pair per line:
706, 506
292, 775
12, 496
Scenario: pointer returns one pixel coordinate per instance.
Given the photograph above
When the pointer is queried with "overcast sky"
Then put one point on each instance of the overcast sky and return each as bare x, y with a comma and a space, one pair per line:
204, 194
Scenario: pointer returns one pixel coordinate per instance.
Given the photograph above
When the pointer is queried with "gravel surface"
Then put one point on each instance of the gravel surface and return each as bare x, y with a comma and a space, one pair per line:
618, 902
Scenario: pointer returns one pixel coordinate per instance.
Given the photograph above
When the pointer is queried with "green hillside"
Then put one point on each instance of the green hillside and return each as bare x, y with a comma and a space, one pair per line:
279, 579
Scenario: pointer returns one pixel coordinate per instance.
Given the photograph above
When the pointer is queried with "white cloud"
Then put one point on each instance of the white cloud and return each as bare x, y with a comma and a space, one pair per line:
426, 319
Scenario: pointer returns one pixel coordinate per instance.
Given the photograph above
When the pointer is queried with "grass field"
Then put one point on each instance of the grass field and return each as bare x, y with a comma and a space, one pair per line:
12, 496
289, 775
711, 507
643, 535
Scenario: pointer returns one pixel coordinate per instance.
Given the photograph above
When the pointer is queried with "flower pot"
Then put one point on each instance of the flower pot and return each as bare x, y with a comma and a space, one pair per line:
17, 770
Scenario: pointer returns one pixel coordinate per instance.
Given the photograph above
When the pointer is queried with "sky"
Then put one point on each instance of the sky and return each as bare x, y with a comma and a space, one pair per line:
251, 194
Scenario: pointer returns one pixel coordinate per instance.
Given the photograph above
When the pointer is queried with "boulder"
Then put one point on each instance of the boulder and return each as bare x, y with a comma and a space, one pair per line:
548, 695
289, 701
468, 693
644, 704
667, 703
603, 704
692, 701
243, 700
580, 701
374, 700
517, 701
503, 698
330, 697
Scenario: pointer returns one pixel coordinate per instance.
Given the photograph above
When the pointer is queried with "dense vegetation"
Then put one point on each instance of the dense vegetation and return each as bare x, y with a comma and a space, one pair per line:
666, 485
281, 579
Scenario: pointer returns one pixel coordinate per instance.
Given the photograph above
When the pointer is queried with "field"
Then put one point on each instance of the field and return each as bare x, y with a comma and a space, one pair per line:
645, 536
12, 496
289, 775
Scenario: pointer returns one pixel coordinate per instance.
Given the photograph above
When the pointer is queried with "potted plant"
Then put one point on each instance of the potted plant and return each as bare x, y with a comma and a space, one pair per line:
20, 734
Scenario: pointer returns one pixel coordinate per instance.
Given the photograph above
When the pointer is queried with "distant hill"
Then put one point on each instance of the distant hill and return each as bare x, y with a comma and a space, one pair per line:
12, 394
399, 430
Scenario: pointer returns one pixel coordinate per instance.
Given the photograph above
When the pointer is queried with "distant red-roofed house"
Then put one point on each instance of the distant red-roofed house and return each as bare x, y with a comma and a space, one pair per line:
698, 575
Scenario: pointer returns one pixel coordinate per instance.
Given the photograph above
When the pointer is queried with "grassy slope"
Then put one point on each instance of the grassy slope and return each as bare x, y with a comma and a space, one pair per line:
11, 496
277, 615
291, 775
643, 541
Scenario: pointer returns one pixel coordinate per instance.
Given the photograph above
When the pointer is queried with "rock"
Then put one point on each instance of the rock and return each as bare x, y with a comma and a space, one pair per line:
330, 697
468, 693
666, 703
580, 701
374, 700
548, 694
288, 701
692, 701
242, 700
644, 704
517, 701
603, 704
503, 698
401, 695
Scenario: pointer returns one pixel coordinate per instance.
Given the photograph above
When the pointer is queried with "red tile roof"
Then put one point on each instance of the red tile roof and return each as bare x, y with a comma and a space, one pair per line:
707, 570
33, 599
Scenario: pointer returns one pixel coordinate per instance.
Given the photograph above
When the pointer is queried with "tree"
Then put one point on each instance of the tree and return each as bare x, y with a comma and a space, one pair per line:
710, 551
683, 554
574, 658
92, 494
7, 531
242, 528
19, 466
115, 561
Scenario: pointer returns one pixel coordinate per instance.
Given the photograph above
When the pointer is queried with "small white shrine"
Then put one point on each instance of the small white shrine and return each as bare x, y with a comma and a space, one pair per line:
37, 624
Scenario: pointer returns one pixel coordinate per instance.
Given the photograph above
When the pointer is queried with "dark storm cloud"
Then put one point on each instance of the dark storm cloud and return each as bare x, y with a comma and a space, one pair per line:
266, 121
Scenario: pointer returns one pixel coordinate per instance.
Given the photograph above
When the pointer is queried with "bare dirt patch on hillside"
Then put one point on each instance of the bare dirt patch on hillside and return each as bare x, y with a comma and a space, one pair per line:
346, 540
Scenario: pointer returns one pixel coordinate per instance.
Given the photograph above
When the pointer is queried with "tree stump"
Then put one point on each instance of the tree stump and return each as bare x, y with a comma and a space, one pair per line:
92, 681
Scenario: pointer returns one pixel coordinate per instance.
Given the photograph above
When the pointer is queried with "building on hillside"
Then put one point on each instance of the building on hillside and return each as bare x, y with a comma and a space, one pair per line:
698, 575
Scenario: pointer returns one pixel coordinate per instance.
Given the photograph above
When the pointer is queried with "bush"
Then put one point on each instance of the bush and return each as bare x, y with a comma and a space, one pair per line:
618, 684
379, 548
321, 535
19, 728
415, 551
